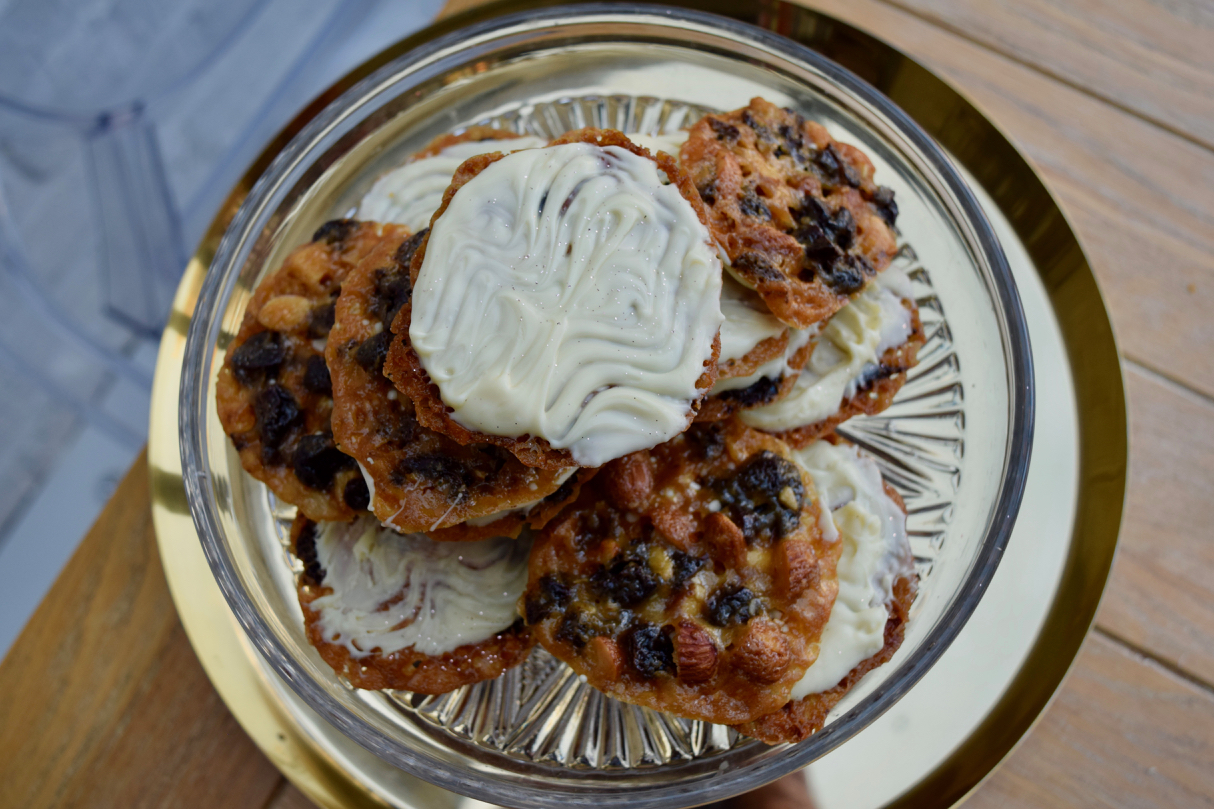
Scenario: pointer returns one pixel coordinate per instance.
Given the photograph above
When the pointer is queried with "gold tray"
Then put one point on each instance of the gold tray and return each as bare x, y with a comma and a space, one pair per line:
951, 731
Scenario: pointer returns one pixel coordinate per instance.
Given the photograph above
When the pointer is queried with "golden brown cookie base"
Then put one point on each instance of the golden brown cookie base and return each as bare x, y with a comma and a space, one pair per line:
406, 669
797, 212
423, 481
660, 599
874, 397
512, 525
290, 310
405, 369
799, 720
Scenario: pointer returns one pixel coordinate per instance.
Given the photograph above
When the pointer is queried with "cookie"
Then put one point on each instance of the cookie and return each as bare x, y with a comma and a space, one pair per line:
797, 212
875, 391
750, 335
420, 480
857, 364
765, 383
410, 194
562, 354
405, 612
877, 587
274, 391
801, 718
692, 578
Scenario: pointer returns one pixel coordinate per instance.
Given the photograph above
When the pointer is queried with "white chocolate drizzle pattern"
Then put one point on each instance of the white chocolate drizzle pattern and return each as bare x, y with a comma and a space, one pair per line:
569, 293
394, 591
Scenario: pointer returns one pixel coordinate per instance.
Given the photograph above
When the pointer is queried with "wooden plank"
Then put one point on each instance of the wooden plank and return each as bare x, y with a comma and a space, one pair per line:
1141, 198
1161, 592
1155, 289
1153, 59
102, 701
1122, 732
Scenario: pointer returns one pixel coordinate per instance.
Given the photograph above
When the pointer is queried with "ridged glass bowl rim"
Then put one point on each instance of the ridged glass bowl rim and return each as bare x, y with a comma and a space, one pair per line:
220, 282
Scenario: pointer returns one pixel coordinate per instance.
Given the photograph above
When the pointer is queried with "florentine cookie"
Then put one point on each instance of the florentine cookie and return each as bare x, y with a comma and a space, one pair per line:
575, 318
409, 195
857, 363
798, 213
875, 391
877, 586
420, 480
386, 610
765, 383
692, 578
274, 392
750, 336
474, 134
801, 718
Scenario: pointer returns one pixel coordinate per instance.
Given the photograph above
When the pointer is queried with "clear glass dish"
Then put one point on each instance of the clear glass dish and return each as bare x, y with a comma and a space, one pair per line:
955, 443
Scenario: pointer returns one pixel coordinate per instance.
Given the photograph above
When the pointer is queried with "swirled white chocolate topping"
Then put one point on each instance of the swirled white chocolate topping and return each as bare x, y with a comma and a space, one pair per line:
409, 195
569, 293
394, 591
851, 341
875, 553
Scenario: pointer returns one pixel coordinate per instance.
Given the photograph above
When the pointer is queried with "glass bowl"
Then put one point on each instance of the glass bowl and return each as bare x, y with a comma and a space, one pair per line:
955, 443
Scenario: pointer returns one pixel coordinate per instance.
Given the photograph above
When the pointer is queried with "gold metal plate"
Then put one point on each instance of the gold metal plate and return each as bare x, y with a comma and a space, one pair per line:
1073, 343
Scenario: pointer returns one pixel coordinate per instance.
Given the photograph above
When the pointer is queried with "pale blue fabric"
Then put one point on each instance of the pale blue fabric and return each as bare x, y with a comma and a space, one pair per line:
74, 380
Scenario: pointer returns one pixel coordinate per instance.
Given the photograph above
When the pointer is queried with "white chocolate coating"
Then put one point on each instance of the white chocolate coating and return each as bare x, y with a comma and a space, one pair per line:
748, 321
569, 293
776, 367
394, 591
875, 553
851, 341
670, 143
409, 195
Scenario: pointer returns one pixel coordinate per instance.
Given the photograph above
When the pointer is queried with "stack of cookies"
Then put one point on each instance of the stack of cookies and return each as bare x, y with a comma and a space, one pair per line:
582, 392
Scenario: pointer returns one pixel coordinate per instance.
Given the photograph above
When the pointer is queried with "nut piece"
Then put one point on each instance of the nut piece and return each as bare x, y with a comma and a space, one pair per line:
725, 540
313, 266
796, 568
695, 654
605, 657
285, 313
762, 652
788, 498
675, 524
630, 481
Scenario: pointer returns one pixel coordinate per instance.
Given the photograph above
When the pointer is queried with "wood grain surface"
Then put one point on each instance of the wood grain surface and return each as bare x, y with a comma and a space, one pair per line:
103, 704
102, 701
1150, 58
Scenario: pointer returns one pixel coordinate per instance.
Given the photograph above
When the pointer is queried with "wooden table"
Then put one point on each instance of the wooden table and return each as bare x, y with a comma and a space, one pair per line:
102, 702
